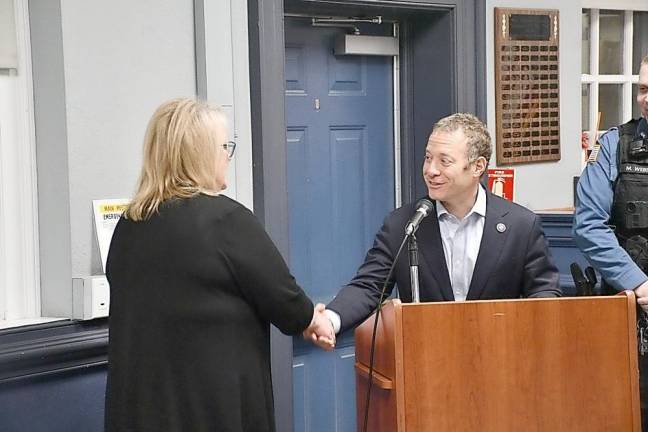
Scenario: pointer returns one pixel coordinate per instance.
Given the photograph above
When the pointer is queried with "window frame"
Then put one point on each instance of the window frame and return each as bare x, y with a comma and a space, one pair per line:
593, 79
20, 301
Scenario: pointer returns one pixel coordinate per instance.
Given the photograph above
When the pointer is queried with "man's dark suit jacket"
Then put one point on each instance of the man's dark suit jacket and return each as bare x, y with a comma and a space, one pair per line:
513, 262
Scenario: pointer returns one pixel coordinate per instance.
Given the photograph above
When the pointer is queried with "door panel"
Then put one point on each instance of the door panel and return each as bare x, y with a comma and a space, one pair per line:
340, 187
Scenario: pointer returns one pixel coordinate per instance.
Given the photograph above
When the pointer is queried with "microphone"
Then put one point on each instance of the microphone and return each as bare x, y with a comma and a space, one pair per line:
579, 279
642, 128
423, 208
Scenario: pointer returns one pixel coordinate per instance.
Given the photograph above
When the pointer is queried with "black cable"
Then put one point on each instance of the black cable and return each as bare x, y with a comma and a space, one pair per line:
375, 328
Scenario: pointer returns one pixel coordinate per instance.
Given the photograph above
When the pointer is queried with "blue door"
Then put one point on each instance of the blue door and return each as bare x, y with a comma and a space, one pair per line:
340, 154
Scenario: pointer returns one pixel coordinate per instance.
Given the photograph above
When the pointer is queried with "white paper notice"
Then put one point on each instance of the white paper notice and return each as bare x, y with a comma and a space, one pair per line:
106, 215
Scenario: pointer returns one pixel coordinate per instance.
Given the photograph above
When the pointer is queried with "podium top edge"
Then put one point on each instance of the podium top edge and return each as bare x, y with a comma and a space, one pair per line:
621, 296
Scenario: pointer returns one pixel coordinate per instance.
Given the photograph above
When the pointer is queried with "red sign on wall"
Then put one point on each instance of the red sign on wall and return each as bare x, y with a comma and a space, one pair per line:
501, 182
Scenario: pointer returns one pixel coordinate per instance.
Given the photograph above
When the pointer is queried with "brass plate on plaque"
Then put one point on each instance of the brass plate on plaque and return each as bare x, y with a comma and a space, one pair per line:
527, 85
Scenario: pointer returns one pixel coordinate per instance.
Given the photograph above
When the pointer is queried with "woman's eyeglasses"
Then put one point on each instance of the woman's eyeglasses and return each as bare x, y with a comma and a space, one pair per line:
230, 146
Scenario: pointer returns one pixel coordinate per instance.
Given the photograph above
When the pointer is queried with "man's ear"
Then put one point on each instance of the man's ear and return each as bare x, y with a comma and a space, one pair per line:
480, 166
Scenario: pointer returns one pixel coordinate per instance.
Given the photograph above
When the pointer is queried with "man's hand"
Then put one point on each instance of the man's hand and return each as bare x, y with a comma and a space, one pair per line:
642, 296
320, 331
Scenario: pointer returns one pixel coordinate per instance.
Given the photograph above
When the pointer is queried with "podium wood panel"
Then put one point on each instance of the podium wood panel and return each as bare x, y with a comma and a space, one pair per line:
566, 364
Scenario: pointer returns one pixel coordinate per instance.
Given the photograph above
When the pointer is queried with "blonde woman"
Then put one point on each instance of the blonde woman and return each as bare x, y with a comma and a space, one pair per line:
195, 283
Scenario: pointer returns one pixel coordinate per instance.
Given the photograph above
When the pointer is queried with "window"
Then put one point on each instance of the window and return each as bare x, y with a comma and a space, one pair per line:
19, 269
614, 42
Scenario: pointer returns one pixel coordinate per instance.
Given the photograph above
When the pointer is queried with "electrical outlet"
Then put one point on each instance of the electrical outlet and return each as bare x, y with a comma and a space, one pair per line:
90, 297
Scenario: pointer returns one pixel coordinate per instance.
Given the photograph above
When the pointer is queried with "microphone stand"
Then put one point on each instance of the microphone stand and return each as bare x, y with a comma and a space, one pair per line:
413, 263
413, 258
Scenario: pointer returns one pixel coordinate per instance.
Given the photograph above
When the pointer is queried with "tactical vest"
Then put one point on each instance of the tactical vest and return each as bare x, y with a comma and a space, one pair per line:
630, 205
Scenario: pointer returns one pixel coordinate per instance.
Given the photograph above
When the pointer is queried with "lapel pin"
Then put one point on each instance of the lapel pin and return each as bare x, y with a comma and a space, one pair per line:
500, 227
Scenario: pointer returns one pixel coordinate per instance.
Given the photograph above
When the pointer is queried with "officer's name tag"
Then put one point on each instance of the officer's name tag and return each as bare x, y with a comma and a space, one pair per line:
631, 168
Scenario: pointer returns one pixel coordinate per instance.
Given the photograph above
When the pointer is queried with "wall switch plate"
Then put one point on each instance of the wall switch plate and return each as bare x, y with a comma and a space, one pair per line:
90, 297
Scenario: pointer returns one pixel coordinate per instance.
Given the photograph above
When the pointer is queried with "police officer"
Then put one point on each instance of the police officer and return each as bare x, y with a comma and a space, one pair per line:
611, 217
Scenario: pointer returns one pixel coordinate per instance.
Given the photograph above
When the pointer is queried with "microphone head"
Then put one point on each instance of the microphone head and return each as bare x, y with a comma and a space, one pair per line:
577, 273
425, 205
423, 209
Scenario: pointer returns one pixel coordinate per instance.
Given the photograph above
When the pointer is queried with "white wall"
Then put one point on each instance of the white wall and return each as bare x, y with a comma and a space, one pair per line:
100, 70
548, 184
122, 59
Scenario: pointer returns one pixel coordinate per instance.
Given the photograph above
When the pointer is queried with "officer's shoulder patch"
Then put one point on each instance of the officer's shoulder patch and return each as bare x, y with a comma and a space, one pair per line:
595, 151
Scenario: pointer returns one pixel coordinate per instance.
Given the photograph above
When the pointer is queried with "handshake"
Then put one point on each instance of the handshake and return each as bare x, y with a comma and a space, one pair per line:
320, 331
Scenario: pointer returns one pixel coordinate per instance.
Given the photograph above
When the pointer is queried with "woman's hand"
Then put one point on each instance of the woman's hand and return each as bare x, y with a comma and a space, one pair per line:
320, 331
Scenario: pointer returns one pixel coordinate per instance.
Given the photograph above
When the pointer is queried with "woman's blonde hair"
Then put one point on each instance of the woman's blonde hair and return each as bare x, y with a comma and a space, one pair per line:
180, 154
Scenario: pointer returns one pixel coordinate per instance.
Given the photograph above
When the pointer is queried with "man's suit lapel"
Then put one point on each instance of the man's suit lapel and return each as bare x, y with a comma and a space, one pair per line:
492, 242
431, 248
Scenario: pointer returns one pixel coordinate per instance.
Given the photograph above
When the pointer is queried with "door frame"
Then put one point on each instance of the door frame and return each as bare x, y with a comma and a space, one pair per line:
266, 39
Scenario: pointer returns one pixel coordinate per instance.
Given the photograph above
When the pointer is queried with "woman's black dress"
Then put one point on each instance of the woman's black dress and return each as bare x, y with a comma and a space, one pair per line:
193, 292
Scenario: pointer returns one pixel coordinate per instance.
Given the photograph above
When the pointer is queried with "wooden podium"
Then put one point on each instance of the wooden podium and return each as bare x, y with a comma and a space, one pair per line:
545, 365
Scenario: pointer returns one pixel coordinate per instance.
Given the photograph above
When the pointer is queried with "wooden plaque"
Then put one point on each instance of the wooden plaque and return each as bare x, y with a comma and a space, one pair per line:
527, 85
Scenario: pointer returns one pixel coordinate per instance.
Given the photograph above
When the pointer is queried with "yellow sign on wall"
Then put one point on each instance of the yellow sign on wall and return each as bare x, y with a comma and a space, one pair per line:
106, 215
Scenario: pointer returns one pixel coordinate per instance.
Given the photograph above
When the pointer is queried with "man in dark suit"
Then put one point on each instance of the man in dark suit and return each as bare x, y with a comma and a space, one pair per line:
473, 246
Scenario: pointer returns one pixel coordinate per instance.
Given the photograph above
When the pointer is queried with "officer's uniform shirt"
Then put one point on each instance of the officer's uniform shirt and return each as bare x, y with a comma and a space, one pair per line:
594, 196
